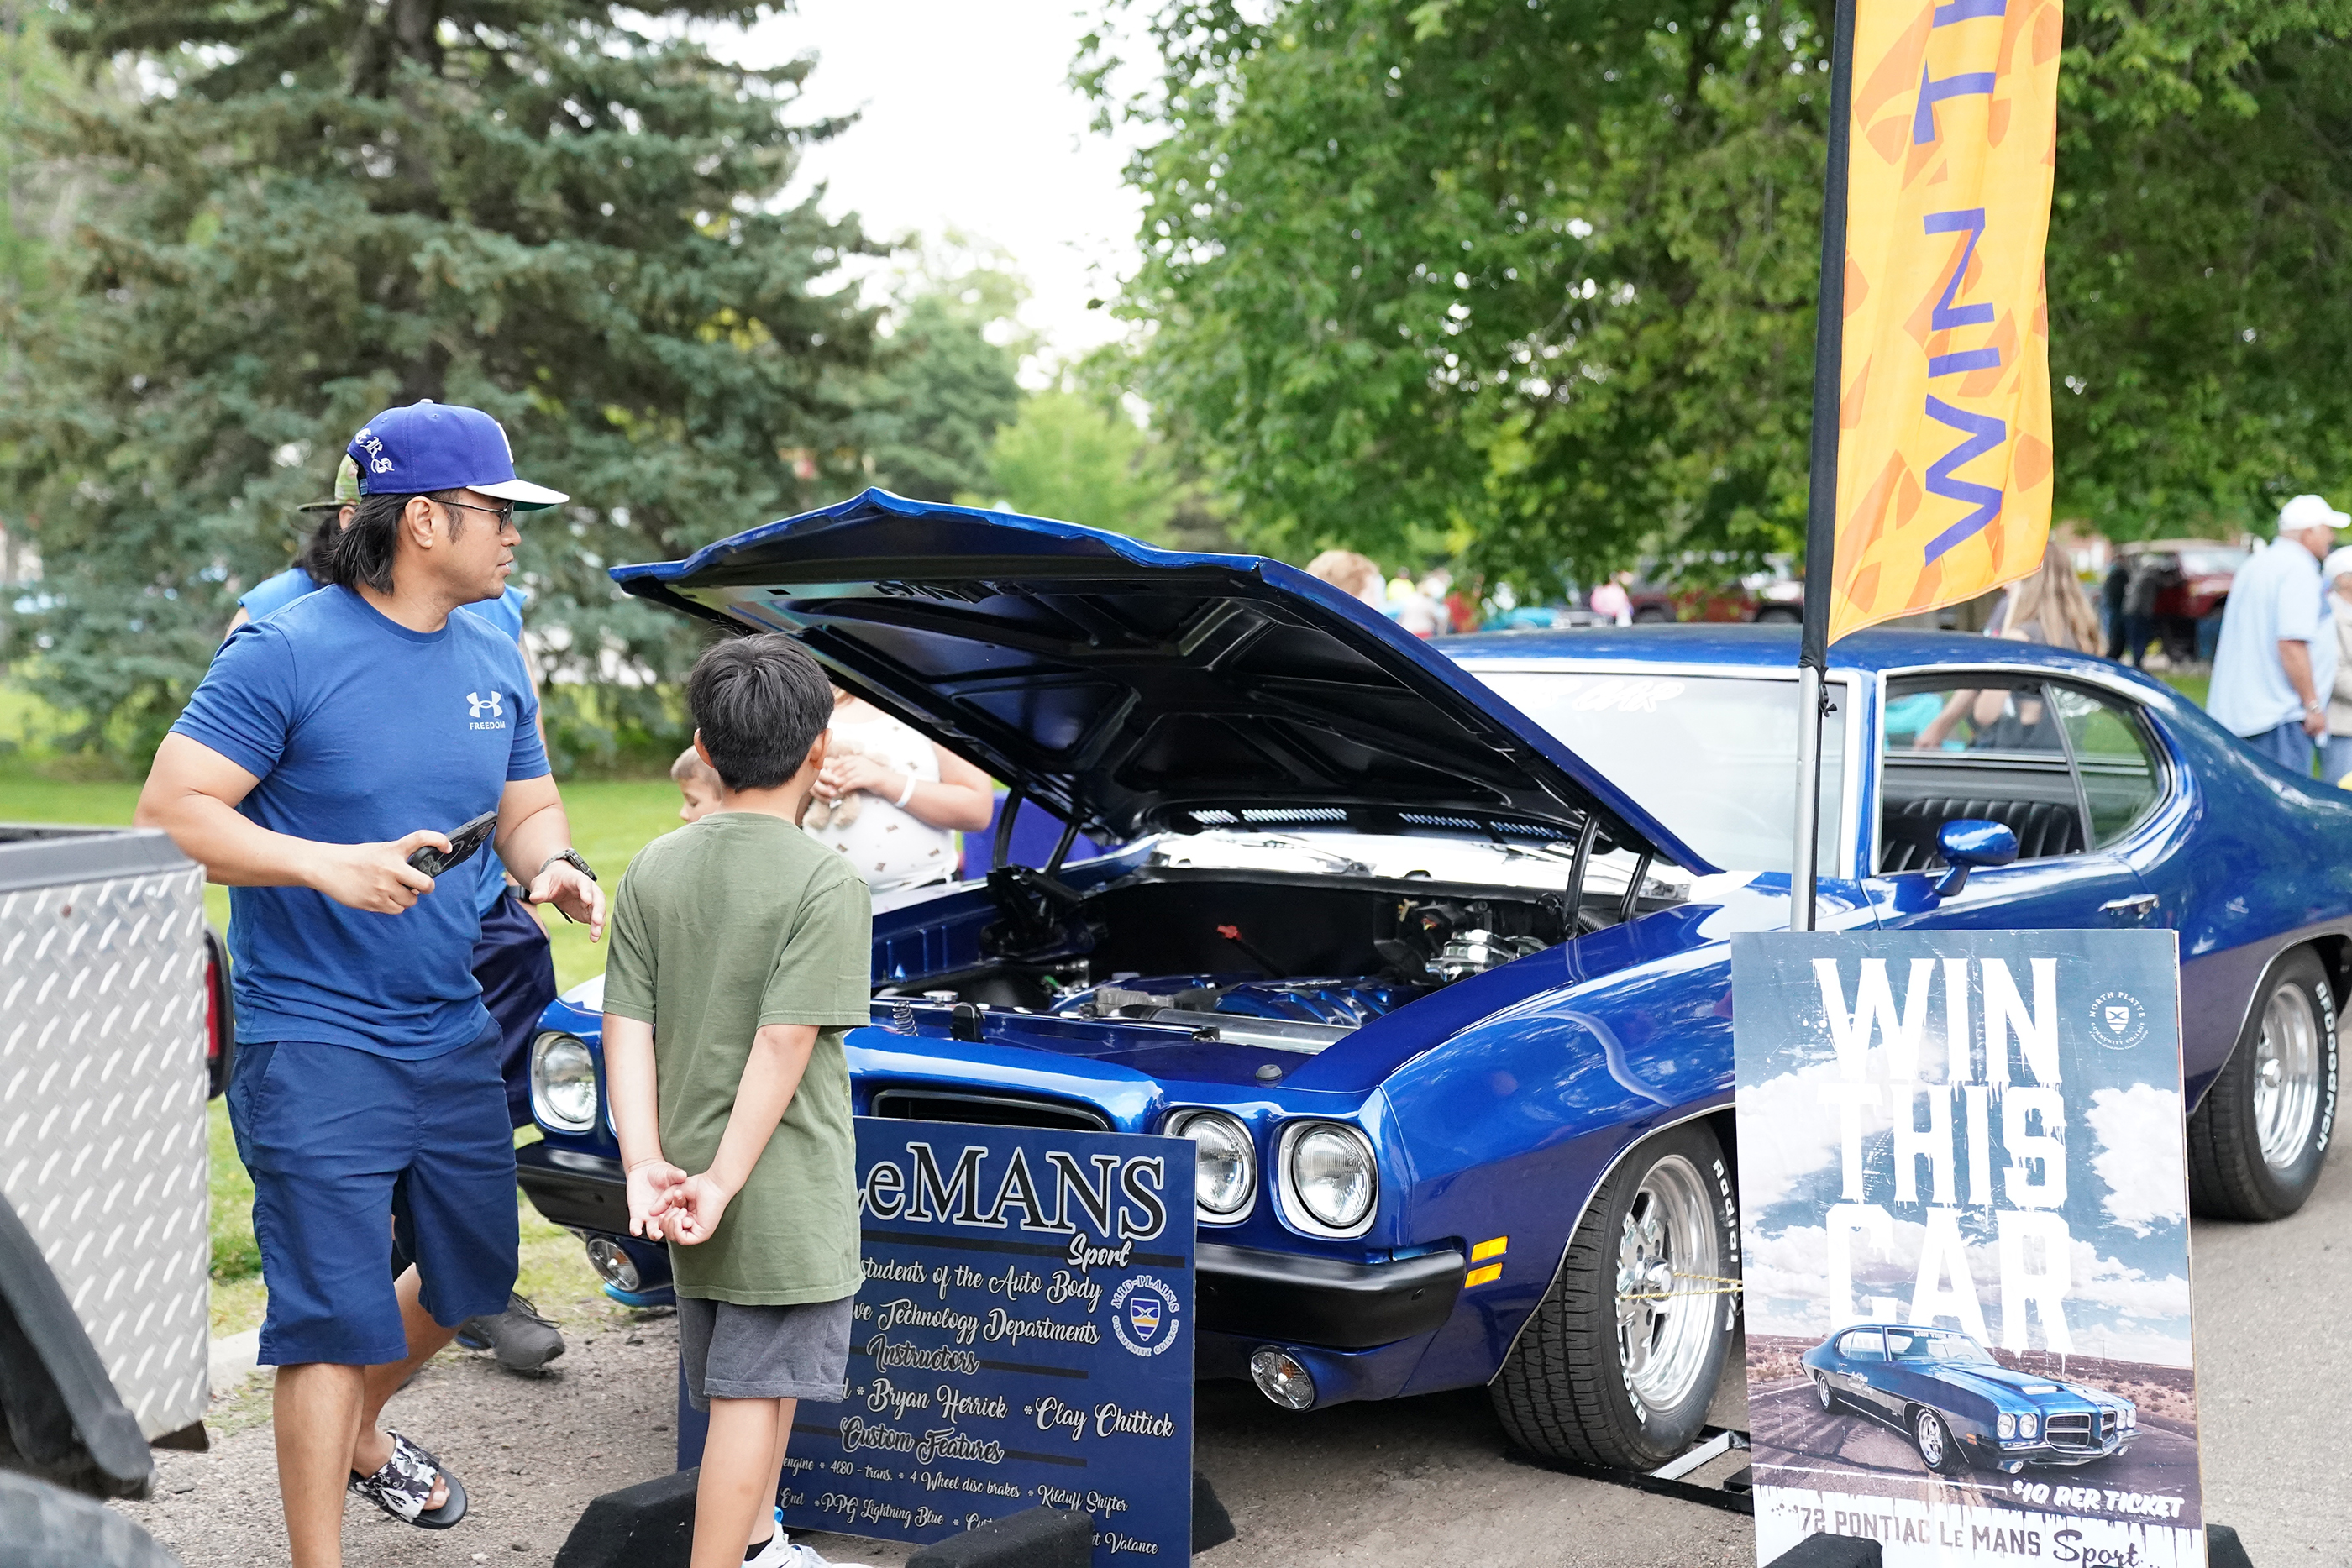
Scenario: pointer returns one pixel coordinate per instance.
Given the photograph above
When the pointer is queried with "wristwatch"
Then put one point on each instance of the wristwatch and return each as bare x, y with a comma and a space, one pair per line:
574, 856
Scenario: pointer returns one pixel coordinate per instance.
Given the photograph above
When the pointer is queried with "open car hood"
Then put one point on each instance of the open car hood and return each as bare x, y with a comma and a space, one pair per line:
1130, 688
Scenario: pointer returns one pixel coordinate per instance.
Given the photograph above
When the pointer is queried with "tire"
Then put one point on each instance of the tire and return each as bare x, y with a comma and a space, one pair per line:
1779, 616
1829, 1401
42, 1526
1565, 1391
1939, 1449
2258, 1142
1651, 615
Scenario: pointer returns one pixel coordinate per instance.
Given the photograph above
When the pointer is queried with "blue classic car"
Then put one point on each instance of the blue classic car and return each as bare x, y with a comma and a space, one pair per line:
1958, 1406
1425, 944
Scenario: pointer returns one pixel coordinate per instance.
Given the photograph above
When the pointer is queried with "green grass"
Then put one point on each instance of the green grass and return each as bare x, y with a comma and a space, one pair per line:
610, 821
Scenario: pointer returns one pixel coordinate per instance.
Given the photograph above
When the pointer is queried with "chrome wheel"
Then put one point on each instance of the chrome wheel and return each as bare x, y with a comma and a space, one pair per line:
1668, 1292
2286, 1077
1929, 1429
1822, 1390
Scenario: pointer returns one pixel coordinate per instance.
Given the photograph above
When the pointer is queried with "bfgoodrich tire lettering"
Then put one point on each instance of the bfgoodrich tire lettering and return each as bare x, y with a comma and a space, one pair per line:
2258, 1142
1643, 1267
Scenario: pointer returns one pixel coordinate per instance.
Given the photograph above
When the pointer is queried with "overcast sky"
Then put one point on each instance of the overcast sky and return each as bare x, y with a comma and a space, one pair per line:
967, 124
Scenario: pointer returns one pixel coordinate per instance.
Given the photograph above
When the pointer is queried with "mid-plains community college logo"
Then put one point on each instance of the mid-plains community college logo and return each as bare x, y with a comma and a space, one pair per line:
2118, 1021
1143, 1315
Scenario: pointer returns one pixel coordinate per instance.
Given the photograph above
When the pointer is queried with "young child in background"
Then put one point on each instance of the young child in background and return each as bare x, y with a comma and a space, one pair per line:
740, 956
697, 782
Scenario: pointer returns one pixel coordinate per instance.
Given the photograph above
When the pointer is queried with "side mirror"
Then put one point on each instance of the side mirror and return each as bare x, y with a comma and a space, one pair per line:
1967, 842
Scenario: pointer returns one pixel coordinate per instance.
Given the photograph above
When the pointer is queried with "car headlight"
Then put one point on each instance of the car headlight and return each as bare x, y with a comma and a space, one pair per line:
1331, 1177
1225, 1161
2006, 1425
2028, 1425
2131, 1416
563, 1083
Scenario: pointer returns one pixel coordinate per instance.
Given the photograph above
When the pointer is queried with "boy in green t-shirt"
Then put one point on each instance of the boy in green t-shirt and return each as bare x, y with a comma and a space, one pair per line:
740, 953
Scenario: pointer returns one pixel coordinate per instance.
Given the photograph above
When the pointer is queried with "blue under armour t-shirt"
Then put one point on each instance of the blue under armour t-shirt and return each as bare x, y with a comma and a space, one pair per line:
361, 730
273, 595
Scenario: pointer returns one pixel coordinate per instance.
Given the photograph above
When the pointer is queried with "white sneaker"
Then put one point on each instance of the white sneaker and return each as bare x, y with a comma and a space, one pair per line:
782, 1553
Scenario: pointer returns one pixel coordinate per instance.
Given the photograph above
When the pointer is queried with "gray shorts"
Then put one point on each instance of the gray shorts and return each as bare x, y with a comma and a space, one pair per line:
763, 1353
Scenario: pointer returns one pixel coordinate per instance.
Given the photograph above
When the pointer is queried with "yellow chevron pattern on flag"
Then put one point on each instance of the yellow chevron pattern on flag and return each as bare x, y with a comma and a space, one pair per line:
1944, 457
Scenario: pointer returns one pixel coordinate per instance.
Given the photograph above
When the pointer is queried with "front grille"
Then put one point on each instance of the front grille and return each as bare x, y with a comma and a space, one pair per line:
2076, 1431
987, 1110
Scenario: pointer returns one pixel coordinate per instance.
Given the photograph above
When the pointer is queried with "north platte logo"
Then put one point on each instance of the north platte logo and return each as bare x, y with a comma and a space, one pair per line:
2118, 1021
1143, 1315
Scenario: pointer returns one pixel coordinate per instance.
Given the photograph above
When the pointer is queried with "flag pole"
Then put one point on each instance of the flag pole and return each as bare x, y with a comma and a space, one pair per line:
1822, 497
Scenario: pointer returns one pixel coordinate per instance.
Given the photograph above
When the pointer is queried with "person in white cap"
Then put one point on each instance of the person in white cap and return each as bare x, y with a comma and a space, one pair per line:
2336, 759
2275, 666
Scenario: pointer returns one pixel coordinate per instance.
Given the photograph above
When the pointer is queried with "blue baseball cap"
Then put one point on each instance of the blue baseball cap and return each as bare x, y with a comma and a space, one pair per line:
431, 445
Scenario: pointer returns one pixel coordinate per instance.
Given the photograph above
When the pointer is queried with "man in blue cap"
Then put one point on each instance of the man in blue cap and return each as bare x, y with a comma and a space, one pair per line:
328, 744
511, 959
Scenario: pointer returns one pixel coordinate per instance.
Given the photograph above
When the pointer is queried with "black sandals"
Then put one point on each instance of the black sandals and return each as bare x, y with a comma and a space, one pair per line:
405, 1484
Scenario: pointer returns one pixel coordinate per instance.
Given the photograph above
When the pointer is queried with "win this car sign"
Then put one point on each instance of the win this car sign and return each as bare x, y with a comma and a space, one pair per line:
1024, 1337
1966, 1245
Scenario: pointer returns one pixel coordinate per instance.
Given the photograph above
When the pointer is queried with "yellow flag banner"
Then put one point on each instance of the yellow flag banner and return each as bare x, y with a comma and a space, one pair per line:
1944, 458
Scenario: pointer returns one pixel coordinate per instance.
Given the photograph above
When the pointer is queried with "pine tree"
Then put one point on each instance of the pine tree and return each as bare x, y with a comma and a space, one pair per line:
564, 212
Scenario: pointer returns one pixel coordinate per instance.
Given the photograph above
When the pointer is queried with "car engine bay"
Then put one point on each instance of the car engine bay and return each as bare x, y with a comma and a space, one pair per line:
1283, 959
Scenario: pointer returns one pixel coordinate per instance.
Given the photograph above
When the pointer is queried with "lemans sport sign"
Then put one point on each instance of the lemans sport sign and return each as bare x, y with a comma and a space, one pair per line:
1024, 1337
1966, 1245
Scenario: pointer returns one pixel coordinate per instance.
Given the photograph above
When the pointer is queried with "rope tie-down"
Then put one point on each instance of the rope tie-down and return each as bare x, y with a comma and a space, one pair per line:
1714, 1285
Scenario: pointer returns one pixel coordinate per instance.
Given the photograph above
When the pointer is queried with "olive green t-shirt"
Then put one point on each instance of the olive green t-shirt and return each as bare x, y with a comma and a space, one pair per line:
728, 924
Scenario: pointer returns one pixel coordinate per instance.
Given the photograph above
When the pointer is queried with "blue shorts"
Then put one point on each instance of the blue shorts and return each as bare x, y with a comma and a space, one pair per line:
342, 1144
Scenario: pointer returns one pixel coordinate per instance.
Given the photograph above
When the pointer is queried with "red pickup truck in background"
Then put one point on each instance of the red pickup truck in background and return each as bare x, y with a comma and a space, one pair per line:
2196, 574
1776, 593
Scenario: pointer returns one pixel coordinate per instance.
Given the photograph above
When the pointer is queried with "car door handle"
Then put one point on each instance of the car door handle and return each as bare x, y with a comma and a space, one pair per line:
2137, 906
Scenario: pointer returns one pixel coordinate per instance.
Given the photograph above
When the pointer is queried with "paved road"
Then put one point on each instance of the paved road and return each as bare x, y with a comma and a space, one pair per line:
1418, 1481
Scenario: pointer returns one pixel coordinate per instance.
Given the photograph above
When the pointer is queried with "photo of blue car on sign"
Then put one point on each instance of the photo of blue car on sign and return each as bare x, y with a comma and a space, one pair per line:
1966, 1245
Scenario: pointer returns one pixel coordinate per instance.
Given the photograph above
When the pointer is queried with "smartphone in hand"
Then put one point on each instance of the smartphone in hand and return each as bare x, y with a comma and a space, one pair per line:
468, 838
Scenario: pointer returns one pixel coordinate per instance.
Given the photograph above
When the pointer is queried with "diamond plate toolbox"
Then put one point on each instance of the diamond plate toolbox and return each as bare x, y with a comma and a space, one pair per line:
102, 1147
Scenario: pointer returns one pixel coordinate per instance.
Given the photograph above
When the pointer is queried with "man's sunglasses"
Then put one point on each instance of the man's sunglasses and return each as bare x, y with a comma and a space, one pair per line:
505, 513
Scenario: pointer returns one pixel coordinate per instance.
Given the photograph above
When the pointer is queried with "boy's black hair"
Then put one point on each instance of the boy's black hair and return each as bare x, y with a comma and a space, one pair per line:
363, 552
760, 702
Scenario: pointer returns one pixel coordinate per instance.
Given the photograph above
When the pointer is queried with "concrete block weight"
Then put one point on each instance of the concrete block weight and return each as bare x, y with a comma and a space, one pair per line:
1822, 1550
649, 1525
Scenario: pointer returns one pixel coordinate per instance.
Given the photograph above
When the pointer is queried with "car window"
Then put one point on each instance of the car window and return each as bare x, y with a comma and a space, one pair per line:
1973, 745
1862, 1344
2115, 758
1712, 756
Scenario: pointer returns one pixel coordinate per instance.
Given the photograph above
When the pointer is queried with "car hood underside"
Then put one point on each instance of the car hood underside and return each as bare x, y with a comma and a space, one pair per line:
1130, 688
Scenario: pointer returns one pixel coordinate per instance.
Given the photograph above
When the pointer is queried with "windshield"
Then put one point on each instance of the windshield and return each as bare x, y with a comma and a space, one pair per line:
1714, 757
1909, 1345
2211, 562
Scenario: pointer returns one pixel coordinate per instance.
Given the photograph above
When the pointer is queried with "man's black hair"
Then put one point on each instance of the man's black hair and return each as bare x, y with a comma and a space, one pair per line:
760, 702
363, 552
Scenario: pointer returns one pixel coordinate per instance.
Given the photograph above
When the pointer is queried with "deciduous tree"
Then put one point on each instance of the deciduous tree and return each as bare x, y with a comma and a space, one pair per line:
1530, 283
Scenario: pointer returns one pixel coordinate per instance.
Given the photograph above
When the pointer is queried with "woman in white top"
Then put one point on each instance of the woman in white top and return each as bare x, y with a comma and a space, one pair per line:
2335, 761
892, 800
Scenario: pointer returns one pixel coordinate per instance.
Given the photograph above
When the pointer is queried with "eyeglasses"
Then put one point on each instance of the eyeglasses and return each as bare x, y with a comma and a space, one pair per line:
505, 513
